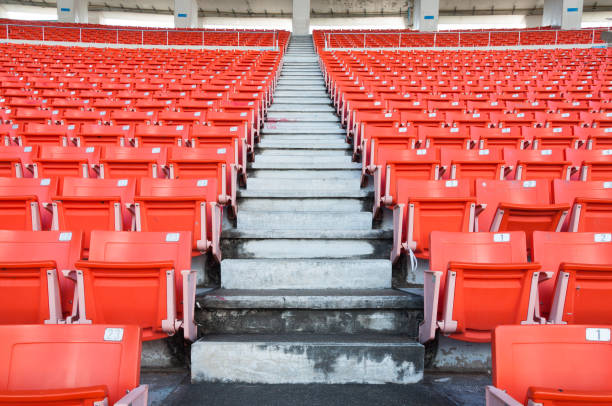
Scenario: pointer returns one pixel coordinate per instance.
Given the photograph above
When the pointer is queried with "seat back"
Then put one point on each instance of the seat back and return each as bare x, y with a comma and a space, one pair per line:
66, 161
93, 134
14, 160
548, 356
497, 137
594, 164
126, 278
537, 164
472, 163
47, 361
21, 200
589, 304
493, 192
176, 205
25, 259
453, 137
43, 134
128, 162
591, 201
156, 135
486, 281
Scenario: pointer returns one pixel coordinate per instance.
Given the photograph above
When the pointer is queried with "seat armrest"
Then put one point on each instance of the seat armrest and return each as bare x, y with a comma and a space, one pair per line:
497, 397
136, 397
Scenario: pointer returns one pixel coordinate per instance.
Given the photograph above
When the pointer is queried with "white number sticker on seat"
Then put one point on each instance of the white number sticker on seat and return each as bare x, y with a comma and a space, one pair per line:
172, 237
602, 237
598, 334
451, 183
65, 236
505, 130
529, 183
202, 182
113, 334
501, 237
155, 150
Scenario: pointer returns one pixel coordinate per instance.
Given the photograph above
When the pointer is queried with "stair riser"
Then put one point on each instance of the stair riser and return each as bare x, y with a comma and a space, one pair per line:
284, 220
301, 363
346, 175
322, 205
277, 321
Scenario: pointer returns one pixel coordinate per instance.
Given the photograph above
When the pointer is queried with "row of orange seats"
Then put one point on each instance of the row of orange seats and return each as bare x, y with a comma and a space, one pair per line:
423, 206
479, 281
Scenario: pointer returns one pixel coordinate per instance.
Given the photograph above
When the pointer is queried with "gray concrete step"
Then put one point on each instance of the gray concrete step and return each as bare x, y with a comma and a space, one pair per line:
265, 152
297, 184
302, 101
294, 245
303, 128
293, 359
316, 117
291, 108
295, 272
288, 220
303, 204
312, 160
300, 93
315, 139
302, 144
329, 311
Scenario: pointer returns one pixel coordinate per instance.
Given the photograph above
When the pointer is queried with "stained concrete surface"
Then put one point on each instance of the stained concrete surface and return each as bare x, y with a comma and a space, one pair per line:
174, 388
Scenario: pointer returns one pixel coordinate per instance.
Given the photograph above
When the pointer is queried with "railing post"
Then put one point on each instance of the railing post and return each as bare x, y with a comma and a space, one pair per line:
400, 41
43, 32
7, 32
459, 44
489, 39
435, 38
117, 37
364, 41
519, 38
238, 38
167, 38
142, 37
80, 35
556, 37
593, 36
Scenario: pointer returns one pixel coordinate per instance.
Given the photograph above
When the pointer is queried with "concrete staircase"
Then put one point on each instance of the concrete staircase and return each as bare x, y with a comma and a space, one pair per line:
306, 293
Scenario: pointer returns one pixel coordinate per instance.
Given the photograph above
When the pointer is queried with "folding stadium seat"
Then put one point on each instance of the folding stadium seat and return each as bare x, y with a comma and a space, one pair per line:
231, 139
140, 278
599, 120
422, 119
472, 164
506, 205
84, 205
427, 205
353, 107
16, 161
33, 287
593, 164
120, 117
44, 134
558, 119
476, 282
591, 203
181, 205
152, 104
550, 137
66, 161
513, 120
76, 117
34, 116
376, 139
99, 135
360, 120
109, 105
492, 106
533, 107
596, 138
121, 162
185, 118
459, 119
207, 163
157, 135
448, 107
39, 365
579, 276
538, 164
392, 164
24, 203
448, 137
537, 365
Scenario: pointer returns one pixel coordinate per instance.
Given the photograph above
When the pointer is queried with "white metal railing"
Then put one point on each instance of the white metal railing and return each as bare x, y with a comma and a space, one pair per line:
205, 37
397, 39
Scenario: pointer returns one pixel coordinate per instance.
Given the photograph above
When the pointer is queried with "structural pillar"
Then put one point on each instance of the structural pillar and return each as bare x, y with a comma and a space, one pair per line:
564, 14
301, 17
426, 15
185, 13
72, 11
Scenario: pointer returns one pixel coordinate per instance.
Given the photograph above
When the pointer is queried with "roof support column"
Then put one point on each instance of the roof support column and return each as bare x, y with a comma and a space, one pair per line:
426, 14
565, 14
72, 11
301, 17
185, 14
